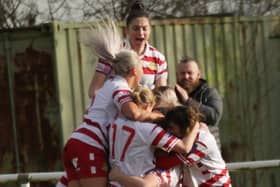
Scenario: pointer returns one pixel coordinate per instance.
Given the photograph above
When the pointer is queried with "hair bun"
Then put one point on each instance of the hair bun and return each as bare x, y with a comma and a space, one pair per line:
137, 6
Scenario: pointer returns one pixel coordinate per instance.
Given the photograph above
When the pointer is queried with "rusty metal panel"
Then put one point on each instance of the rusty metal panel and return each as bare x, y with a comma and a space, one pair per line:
29, 115
240, 57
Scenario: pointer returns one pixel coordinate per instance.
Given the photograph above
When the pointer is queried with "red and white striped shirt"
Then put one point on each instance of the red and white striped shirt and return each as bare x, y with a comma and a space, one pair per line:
205, 164
153, 61
100, 113
132, 145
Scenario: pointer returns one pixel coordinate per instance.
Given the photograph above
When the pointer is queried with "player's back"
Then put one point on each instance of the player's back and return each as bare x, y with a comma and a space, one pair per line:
211, 167
130, 146
108, 101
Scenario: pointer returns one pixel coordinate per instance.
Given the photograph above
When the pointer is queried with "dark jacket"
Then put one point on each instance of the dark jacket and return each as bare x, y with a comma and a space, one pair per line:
210, 104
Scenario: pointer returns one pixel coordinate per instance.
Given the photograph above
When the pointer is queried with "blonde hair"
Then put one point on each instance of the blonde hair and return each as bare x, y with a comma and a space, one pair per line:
105, 40
143, 95
165, 97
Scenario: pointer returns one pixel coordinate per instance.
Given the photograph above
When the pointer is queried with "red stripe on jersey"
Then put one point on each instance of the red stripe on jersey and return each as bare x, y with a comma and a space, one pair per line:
94, 124
214, 179
118, 91
190, 160
153, 59
199, 153
154, 128
149, 71
159, 137
171, 139
181, 157
205, 172
123, 97
201, 143
199, 164
162, 72
90, 134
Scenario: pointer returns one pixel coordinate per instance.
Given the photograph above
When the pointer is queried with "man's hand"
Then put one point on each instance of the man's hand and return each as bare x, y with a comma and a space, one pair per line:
183, 94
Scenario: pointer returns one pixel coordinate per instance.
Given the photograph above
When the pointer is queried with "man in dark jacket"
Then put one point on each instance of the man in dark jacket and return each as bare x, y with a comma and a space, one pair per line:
192, 89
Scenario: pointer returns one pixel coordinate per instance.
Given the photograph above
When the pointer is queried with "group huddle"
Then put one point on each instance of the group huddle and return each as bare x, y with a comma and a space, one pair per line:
137, 131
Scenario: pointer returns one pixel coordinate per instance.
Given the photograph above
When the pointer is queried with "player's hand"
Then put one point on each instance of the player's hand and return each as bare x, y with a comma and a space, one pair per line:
156, 116
183, 94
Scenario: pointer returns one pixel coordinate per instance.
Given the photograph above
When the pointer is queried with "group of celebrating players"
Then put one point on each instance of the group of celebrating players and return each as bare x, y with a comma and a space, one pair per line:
135, 132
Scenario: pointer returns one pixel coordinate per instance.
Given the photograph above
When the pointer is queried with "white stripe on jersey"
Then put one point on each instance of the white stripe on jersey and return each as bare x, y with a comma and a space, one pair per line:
154, 53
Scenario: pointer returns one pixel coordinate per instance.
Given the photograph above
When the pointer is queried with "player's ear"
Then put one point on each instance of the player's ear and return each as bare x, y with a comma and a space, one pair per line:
133, 71
199, 74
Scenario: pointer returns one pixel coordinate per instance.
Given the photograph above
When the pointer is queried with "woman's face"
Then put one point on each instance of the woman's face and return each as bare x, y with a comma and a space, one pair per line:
138, 31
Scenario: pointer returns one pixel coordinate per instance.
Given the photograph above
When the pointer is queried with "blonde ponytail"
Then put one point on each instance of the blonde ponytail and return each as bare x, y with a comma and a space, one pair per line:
104, 39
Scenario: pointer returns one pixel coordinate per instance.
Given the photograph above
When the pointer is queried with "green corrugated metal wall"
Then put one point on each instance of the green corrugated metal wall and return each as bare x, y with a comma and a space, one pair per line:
239, 56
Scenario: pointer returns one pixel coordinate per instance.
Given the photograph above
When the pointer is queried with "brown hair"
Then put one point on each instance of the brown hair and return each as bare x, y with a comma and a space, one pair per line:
137, 10
187, 59
184, 117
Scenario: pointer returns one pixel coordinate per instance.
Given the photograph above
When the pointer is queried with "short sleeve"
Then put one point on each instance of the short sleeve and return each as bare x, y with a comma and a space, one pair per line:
103, 66
121, 96
162, 139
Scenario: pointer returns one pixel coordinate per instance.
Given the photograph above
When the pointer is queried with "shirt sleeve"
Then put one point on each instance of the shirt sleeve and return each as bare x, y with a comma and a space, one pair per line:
162, 139
121, 96
103, 66
198, 152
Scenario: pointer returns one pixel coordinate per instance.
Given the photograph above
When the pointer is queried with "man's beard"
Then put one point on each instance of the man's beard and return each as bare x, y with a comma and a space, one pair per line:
189, 86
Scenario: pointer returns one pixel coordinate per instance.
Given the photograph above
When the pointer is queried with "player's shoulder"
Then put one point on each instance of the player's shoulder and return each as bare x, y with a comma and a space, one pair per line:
206, 137
146, 126
152, 51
